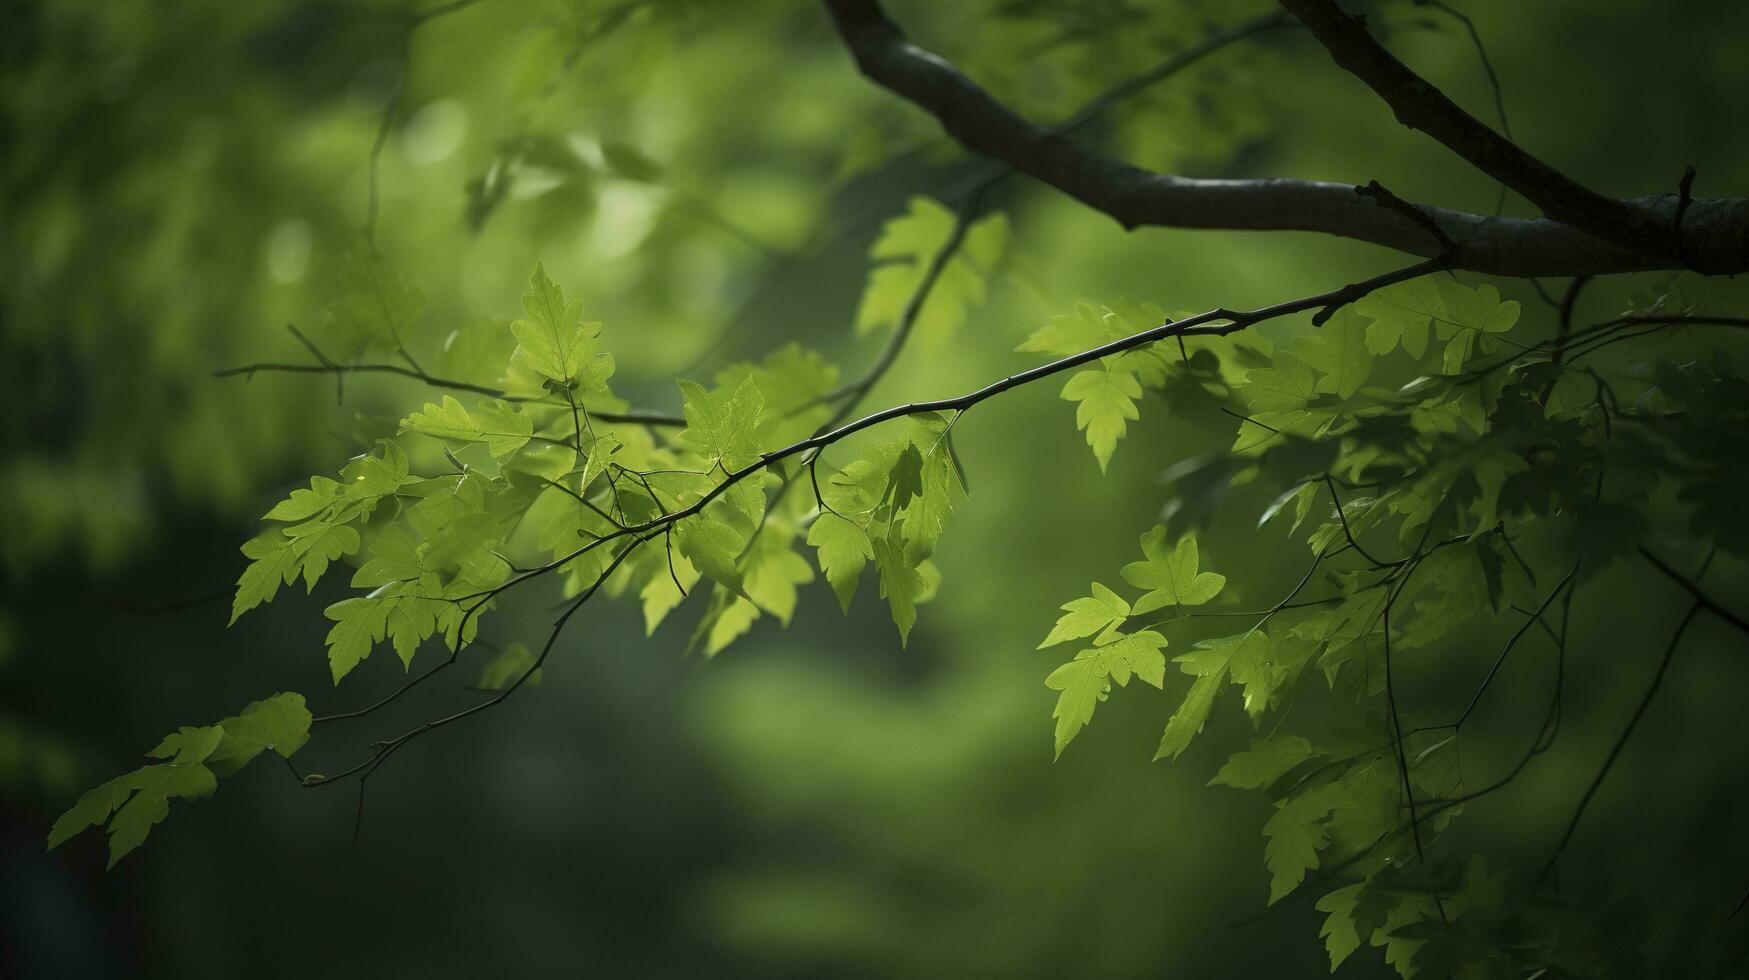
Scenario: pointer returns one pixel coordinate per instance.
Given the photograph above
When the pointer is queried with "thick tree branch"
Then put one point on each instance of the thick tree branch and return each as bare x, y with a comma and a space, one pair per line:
1421, 106
1715, 231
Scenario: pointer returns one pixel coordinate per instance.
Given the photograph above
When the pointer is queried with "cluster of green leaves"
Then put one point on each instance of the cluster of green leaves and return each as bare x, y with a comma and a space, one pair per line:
1451, 478
194, 759
537, 485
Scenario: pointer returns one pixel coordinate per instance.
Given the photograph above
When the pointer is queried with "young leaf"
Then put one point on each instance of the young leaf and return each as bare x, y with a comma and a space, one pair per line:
722, 425
1340, 933
1338, 350
554, 342
374, 308
1296, 833
844, 549
1191, 715
1105, 399
1102, 613
1402, 313
134, 803
498, 425
1085, 681
1064, 335
908, 246
1267, 760
507, 666
902, 585
714, 548
1171, 576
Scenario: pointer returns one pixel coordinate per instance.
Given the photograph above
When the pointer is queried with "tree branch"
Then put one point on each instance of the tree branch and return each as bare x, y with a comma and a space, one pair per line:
1693, 588
1621, 740
1715, 231
327, 366
1421, 106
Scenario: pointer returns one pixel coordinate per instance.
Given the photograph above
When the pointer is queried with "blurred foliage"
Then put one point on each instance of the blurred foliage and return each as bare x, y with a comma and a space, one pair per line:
180, 182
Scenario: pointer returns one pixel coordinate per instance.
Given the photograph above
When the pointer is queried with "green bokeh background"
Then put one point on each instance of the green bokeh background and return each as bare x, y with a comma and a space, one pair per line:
178, 181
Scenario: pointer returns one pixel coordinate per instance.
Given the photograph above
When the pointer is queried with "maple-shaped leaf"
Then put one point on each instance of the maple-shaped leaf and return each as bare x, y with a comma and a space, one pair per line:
499, 426
1339, 351
1402, 313
374, 308
1171, 575
723, 425
908, 247
1105, 400
1086, 680
1087, 328
843, 550
1102, 613
555, 343
1267, 760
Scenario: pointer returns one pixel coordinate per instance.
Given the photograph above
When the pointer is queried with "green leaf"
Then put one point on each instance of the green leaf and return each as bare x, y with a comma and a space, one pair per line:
1399, 940
91, 810
714, 548
907, 248
1478, 308
359, 624
1085, 681
1340, 934
729, 617
274, 563
153, 787
1472, 316
374, 308
843, 550
1339, 350
322, 546
189, 745
140, 799
1191, 715
554, 342
280, 723
1171, 576
508, 665
1102, 613
279, 558
1267, 760
670, 582
500, 426
1402, 314
905, 479
368, 478
1296, 833
902, 585
722, 425
1287, 385
795, 383
305, 504
1105, 399
1088, 328
774, 571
